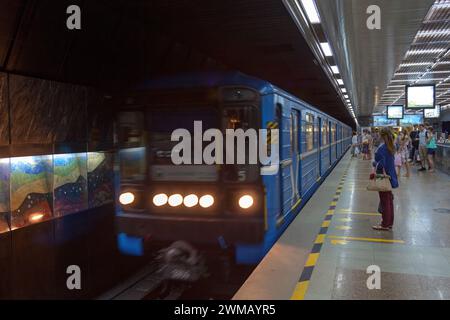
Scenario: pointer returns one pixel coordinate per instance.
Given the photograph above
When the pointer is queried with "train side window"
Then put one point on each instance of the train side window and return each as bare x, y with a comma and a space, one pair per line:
294, 132
324, 133
333, 132
309, 132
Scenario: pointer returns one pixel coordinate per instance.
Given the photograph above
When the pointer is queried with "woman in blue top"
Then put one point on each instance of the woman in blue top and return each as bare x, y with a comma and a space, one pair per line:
384, 161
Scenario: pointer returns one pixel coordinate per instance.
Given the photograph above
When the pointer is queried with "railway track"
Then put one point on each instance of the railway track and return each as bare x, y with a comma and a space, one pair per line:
181, 272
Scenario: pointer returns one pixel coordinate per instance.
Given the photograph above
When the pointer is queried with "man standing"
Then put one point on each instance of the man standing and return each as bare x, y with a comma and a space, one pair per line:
414, 135
423, 151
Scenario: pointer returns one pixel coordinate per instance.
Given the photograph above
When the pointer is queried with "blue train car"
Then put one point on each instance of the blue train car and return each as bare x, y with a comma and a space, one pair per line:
205, 203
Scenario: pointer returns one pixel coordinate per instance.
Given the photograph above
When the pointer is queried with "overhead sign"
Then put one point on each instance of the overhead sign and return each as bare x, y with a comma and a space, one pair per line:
432, 113
420, 97
382, 121
395, 112
411, 119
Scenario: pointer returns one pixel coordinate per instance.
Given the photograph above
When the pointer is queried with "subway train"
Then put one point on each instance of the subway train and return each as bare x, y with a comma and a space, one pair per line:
229, 205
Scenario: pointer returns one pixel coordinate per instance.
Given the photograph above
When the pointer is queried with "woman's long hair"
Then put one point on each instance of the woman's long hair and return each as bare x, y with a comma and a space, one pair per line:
388, 139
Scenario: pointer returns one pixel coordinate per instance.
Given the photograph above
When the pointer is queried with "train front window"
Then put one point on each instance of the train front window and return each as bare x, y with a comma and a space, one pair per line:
235, 118
161, 123
132, 153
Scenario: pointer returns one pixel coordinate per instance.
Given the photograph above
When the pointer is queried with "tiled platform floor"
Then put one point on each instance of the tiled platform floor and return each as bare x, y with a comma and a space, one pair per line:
414, 258
415, 267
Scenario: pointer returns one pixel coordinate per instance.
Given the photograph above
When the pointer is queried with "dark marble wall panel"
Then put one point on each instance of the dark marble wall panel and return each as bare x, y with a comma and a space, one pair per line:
9, 15
45, 111
4, 130
5, 265
33, 262
71, 238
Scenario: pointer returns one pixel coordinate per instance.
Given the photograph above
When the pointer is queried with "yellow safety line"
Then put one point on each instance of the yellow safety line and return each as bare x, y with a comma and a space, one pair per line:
312, 259
300, 290
302, 286
320, 238
366, 239
359, 213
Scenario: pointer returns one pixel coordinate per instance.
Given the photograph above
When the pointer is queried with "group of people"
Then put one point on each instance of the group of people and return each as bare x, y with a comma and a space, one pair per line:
365, 143
416, 145
394, 150
423, 150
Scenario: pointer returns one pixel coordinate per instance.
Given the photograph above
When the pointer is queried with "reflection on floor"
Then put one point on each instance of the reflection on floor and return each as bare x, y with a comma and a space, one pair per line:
414, 258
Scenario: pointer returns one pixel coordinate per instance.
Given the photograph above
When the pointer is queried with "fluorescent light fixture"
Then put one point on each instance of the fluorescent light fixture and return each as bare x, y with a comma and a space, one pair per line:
415, 64
344, 90
311, 11
443, 32
340, 81
326, 49
346, 96
335, 69
424, 51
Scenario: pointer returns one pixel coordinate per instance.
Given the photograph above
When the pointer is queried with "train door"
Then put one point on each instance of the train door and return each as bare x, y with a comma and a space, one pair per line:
319, 153
330, 140
336, 143
286, 188
295, 146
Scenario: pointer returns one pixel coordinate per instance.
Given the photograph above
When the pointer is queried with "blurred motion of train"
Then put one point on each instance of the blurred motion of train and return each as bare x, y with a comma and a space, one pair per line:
230, 205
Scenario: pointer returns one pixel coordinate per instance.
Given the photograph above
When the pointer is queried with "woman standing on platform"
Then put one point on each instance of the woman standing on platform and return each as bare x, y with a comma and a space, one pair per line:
384, 162
405, 144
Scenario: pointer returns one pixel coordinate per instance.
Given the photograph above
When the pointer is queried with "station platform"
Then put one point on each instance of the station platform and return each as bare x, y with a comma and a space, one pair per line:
325, 252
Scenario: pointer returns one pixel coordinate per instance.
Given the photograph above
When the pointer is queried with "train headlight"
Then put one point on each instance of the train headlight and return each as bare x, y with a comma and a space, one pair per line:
246, 201
206, 201
126, 198
190, 200
175, 200
160, 199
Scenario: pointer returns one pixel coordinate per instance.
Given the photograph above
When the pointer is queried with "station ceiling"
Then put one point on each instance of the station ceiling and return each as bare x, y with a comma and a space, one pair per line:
367, 58
124, 42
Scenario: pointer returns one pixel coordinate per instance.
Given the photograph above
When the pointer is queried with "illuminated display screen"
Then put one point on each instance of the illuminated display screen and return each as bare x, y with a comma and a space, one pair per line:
383, 121
420, 97
31, 190
37, 188
432, 113
4, 195
100, 167
411, 119
69, 183
395, 112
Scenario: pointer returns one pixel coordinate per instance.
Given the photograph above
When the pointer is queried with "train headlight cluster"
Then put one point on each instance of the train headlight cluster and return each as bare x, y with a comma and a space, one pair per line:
246, 201
160, 199
206, 201
126, 198
175, 200
189, 201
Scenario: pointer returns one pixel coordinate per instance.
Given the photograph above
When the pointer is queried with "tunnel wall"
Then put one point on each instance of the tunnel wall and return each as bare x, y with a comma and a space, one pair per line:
56, 191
